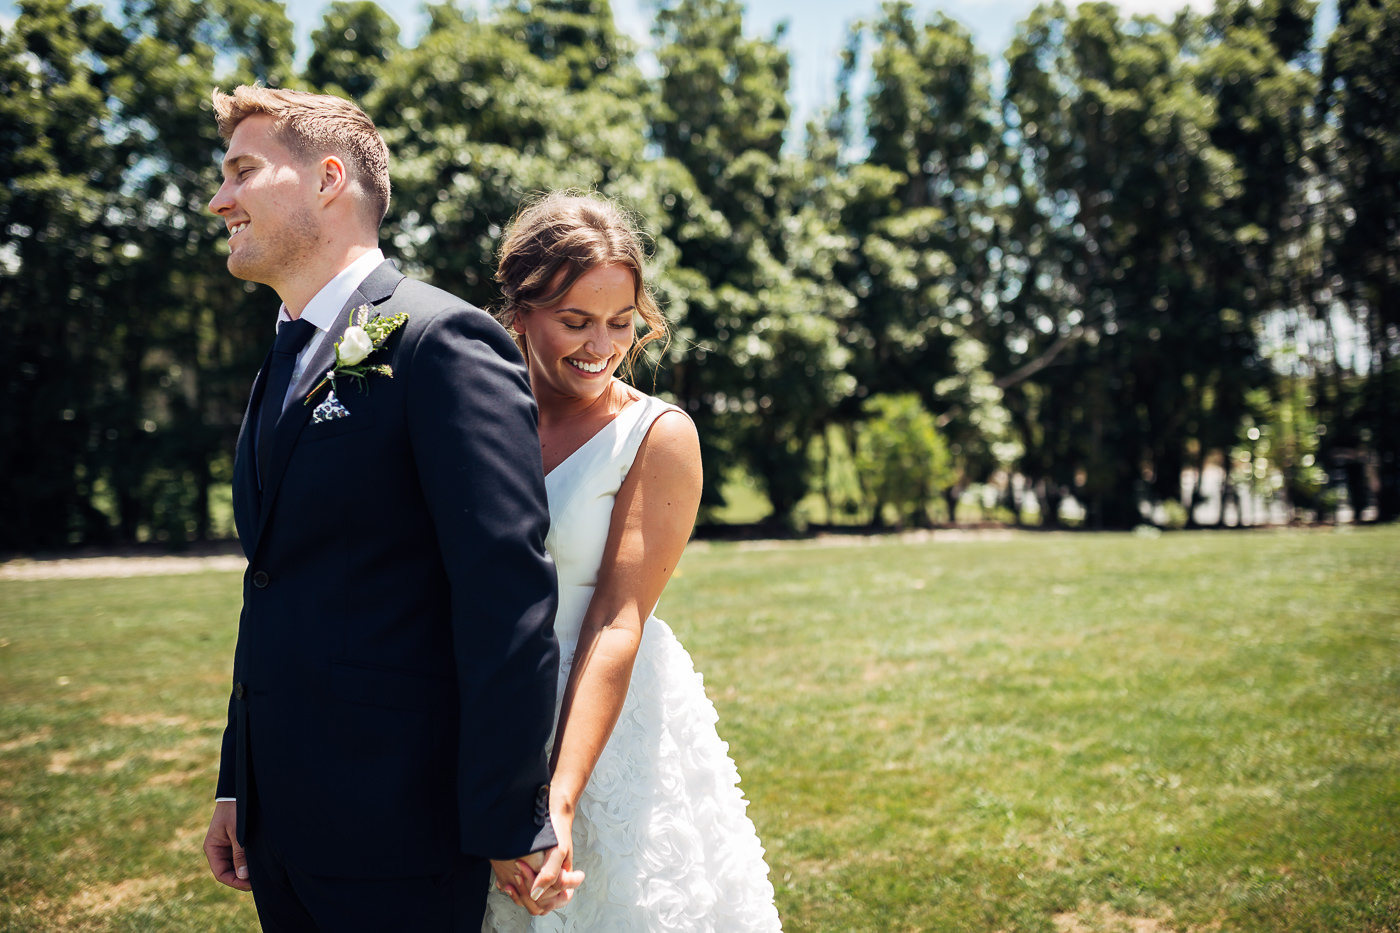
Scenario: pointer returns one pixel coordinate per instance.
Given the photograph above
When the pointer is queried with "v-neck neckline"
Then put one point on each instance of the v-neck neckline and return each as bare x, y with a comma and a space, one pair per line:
594, 436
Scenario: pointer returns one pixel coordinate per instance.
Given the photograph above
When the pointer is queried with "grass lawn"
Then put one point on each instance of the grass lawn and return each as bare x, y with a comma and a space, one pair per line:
1047, 732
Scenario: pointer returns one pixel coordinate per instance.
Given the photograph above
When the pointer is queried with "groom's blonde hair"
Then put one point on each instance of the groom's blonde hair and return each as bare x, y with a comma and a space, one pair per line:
312, 124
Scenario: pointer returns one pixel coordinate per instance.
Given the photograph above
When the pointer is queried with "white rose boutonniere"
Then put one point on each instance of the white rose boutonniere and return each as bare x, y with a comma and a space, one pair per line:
361, 340
354, 346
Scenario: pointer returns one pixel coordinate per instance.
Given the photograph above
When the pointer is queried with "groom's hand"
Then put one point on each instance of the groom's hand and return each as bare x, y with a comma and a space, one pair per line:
221, 848
515, 877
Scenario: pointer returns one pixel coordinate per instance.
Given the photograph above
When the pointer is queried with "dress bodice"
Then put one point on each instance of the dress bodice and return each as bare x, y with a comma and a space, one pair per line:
582, 490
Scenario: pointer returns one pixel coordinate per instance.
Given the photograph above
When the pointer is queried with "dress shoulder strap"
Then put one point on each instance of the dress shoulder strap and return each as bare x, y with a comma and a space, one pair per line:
640, 415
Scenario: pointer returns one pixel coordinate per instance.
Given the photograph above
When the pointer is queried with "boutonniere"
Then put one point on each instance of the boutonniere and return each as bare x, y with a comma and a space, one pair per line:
361, 340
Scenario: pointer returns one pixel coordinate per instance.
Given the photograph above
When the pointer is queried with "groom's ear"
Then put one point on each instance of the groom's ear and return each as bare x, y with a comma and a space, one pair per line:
335, 180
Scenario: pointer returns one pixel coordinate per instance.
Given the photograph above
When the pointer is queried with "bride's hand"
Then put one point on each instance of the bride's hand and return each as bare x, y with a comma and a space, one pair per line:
556, 881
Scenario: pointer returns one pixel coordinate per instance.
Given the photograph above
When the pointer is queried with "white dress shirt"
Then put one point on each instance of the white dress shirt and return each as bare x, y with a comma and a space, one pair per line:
322, 309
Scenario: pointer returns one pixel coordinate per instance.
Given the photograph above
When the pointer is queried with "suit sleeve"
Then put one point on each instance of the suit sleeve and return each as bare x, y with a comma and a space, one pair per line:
227, 749
472, 423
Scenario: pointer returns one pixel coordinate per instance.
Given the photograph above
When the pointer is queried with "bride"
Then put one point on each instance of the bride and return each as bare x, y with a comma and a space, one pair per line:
644, 797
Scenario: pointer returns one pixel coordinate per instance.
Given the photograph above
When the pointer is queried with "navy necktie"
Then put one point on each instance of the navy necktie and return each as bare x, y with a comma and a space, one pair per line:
291, 337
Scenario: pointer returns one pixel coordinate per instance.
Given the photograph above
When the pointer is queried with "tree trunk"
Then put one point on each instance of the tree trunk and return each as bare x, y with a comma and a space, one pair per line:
1050, 501
826, 476
1387, 442
1189, 501
1227, 493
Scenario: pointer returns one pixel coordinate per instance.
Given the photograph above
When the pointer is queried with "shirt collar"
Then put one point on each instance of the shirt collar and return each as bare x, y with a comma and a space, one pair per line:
323, 308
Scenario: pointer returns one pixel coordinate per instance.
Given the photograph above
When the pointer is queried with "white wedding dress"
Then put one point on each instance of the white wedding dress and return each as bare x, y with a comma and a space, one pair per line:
660, 830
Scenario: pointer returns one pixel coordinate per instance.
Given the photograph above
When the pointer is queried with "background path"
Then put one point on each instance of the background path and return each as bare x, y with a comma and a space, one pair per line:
110, 565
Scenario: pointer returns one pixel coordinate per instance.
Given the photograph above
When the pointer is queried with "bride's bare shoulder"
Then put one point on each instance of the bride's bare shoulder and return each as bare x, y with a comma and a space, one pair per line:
671, 441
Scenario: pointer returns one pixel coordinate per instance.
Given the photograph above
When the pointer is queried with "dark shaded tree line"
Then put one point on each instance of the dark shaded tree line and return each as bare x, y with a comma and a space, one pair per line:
1158, 247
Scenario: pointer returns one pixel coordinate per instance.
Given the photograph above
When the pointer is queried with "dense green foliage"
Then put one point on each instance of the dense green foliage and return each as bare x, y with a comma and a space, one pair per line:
1034, 733
1158, 249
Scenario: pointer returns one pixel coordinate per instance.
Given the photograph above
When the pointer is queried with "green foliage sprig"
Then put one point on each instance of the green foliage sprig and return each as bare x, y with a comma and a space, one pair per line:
361, 340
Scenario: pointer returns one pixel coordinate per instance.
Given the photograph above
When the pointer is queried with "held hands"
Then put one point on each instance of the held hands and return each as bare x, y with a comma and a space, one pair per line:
542, 881
221, 848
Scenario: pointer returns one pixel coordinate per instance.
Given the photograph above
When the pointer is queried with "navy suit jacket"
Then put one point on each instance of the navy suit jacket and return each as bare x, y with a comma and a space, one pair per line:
395, 676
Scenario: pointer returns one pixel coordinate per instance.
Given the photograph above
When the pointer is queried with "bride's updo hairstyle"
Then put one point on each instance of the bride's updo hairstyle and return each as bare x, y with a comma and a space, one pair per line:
557, 239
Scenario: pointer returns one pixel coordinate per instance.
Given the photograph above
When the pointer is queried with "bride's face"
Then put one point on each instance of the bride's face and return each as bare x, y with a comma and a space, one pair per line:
576, 345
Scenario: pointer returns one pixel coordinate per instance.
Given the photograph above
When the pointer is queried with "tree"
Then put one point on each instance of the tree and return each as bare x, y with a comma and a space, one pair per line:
900, 457
1120, 197
476, 122
581, 35
746, 280
55, 353
925, 216
1360, 73
119, 344
355, 43
1252, 62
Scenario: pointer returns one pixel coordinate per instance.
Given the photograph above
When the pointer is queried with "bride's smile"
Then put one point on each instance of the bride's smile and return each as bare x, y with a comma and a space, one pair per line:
578, 343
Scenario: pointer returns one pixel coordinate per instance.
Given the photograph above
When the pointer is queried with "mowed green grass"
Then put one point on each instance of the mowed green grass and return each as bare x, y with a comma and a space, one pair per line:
1043, 732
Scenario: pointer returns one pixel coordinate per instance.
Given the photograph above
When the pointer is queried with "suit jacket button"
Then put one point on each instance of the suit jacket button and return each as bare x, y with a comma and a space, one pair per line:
238, 690
260, 579
542, 805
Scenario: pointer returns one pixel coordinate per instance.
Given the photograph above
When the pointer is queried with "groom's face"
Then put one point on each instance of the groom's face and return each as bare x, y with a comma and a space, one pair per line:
268, 203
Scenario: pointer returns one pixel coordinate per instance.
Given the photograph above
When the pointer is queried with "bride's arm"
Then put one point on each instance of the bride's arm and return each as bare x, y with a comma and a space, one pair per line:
651, 522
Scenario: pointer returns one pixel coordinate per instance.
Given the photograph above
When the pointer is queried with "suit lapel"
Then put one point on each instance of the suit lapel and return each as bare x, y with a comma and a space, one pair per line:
376, 288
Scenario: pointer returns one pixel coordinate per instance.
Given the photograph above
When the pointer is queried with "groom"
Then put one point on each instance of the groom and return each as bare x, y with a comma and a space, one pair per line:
394, 680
